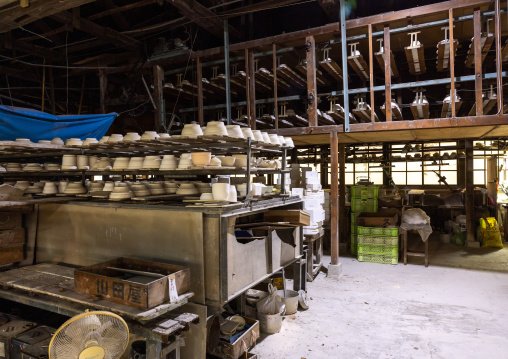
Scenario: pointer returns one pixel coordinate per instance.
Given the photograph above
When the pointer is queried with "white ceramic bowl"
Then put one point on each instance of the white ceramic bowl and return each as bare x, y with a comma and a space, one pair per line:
151, 163
258, 136
57, 141
89, 141
74, 142
131, 136
82, 162
192, 130
121, 163
274, 139
228, 161
206, 196
234, 131
266, 137
135, 163
215, 128
247, 132
215, 162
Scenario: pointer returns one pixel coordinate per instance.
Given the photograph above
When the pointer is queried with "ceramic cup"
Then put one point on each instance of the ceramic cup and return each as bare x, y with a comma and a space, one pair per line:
22, 185
103, 164
140, 190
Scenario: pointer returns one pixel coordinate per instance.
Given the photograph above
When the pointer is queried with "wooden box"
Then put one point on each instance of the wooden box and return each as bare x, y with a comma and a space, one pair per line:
293, 216
134, 290
387, 217
11, 254
10, 220
12, 237
237, 348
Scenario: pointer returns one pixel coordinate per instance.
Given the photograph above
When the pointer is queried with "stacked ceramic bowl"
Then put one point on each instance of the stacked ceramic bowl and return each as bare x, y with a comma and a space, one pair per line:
121, 192
163, 135
50, 188
191, 130
13, 167
215, 162
168, 163
247, 132
104, 139
121, 163
215, 128
57, 141
258, 136
155, 188
103, 164
140, 189
227, 161
69, 162
274, 139
32, 167
131, 136
185, 161
90, 141
108, 186
234, 131
82, 162
23, 140
75, 188
74, 142
149, 136
289, 142
135, 163
187, 189
96, 186
240, 161
151, 163
44, 142
203, 187
62, 185
22, 185
266, 137
114, 138
170, 187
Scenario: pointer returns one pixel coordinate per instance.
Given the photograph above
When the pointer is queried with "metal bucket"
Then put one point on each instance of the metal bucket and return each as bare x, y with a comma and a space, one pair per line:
270, 323
290, 300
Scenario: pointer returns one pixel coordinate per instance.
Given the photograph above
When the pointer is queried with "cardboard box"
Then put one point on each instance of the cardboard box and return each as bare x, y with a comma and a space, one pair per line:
242, 344
293, 216
12, 254
387, 217
311, 174
101, 281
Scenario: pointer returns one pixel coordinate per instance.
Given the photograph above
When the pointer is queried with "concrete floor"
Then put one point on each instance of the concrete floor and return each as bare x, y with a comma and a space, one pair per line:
397, 311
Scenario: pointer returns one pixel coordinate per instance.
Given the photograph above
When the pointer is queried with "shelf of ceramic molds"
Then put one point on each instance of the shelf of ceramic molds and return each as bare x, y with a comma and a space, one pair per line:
177, 144
196, 172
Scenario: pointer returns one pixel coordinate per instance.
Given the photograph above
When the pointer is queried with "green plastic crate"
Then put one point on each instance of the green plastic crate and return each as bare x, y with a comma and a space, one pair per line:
378, 258
365, 191
378, 249
387, 241
378, 231
354, 227
354, 244
359, 204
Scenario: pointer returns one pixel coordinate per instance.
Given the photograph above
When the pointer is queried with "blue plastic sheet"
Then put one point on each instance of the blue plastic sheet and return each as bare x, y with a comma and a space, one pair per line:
18, 122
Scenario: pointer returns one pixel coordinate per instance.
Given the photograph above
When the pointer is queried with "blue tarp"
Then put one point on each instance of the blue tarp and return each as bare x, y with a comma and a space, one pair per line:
18, 122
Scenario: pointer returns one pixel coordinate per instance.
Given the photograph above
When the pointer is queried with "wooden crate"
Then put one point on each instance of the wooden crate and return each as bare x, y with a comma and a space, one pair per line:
11, 254
236, 349
10, 220
115, 286
12, 237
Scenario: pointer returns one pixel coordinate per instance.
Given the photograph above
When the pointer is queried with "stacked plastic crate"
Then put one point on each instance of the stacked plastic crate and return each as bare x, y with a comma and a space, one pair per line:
378, 244
363, 199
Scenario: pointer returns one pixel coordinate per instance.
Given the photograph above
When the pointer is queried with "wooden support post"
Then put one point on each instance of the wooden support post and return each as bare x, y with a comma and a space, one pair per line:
158, 97
310, 45
247, 86
478, 61
388, 75
252, 90
82, 94
275, 102
201, 115
452, 61
342, 192
334, 197
43, 97
52, 91
371, 76
103, 84
499, 60
470, 223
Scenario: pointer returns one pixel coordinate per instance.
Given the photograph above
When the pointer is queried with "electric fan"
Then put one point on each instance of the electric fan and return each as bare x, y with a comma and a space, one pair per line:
91, 335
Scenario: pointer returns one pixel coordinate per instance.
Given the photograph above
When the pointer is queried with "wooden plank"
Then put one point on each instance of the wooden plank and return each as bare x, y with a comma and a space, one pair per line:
371, 76
275, 94
388, 75
123, 8
341, 203
334, 198
312, 99
11, 254
452, 61
252, 90
201, 115
470, 217
478, 61
10, 220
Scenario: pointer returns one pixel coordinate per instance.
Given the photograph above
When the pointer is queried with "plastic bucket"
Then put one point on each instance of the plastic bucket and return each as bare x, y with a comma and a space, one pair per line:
290, 300
269, 323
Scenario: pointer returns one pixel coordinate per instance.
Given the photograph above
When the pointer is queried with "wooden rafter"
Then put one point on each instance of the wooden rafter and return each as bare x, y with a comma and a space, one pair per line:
119, 9
16, 16
258, 6
203, 17
103, 33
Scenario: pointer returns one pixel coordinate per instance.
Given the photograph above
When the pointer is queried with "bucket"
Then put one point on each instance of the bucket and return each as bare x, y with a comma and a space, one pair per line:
290, 300
269, 323
445, 237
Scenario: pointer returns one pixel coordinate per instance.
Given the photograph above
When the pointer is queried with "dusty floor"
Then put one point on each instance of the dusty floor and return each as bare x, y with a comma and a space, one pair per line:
385, 311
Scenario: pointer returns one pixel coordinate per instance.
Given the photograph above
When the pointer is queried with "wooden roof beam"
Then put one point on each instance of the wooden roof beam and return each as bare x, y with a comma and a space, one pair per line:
203, 17
16, 16
103, 33
259, 6
119, 9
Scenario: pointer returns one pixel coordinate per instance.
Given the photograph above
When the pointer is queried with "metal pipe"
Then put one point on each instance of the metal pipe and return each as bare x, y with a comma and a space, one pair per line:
226, 68
344, 64
243, 103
